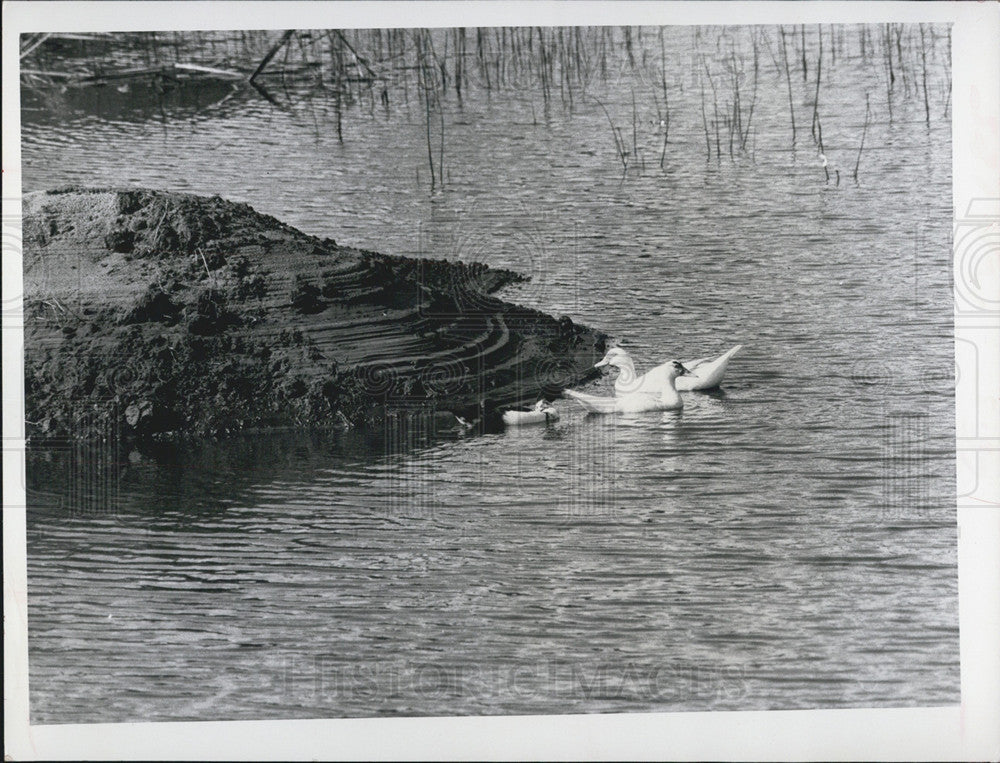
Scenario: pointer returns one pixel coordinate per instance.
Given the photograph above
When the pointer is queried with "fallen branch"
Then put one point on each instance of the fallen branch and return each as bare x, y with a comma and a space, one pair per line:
210, 70
354, 53
36, 73
97, 79
271, 54
31, 46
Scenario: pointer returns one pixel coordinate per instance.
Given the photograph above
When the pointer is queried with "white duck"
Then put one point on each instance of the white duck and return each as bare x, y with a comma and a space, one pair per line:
658, 393
703, 373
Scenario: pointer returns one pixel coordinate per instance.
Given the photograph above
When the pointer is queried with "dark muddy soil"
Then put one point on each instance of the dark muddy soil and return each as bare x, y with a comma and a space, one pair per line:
152, 315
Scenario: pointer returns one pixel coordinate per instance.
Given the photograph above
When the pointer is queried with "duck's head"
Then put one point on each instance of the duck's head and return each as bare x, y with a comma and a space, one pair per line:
676, 368
616, 357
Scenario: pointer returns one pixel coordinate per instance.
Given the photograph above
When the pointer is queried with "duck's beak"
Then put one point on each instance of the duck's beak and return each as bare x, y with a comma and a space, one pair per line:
684, 371
601, 363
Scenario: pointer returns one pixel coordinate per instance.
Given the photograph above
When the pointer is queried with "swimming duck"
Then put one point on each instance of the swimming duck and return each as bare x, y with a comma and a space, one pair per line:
703, 373
541, 413
658, 392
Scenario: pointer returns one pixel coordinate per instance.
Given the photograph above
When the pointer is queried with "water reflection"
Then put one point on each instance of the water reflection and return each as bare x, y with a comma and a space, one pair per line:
135, 102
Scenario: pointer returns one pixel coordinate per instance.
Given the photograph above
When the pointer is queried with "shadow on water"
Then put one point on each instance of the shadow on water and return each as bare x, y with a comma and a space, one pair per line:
197, 477
141, 101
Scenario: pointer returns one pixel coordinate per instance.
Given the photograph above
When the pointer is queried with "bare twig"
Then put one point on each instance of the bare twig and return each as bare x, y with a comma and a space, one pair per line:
635, 144
704, 118
34, 44
753, 97
923, 61
424, 89
620, 147
666, 101
271, 53
819, 76
864, 132
788, 77
210, 70
715, 107
354, 53
822, 150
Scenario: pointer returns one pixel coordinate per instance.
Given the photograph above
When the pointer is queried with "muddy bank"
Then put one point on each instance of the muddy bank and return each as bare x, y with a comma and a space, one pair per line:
151, 315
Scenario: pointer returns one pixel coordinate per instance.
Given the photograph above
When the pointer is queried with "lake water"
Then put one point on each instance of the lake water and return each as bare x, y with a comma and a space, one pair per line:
786, 542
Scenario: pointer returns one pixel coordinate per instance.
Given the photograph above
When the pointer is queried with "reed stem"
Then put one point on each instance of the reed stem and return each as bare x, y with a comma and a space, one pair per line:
819, 76
788, 78
864, 132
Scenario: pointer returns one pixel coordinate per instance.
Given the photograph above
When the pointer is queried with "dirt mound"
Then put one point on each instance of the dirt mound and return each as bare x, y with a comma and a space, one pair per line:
152, 314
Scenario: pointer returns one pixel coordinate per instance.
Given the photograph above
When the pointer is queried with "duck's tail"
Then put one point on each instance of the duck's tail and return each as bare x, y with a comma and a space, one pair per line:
729, 353
707, 373
593, 403
723, 358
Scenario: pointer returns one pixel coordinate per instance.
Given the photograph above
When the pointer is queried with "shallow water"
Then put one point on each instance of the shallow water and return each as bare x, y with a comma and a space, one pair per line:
787, 542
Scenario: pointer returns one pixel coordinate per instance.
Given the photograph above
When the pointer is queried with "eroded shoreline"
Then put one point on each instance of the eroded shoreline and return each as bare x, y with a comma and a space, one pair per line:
151, 315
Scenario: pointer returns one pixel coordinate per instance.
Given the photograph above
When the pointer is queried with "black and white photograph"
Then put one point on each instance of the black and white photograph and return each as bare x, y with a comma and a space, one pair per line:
413, 370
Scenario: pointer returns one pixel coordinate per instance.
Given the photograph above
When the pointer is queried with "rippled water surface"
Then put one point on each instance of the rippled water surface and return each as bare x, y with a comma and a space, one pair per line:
785, 542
